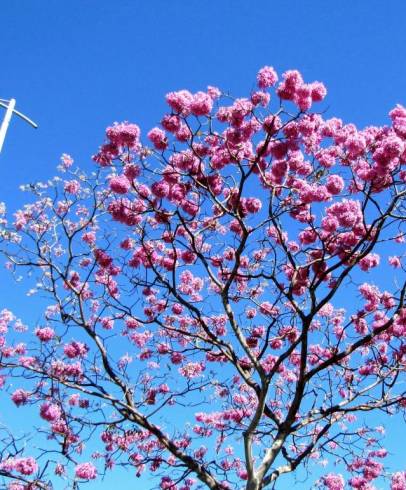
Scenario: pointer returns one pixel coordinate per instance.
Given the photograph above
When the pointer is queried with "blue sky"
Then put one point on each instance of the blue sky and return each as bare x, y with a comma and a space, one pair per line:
75, 67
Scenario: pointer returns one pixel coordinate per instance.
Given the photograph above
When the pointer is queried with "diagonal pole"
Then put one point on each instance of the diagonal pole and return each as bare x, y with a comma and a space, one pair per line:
6, 121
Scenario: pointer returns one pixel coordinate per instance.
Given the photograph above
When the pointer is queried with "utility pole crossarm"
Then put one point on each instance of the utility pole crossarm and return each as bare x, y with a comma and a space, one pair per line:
18, 113
10, 110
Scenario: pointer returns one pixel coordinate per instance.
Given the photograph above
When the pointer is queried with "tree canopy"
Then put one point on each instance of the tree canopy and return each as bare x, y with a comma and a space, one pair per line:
220, 311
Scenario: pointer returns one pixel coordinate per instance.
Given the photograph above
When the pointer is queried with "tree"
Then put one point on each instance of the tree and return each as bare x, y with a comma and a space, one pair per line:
219, 306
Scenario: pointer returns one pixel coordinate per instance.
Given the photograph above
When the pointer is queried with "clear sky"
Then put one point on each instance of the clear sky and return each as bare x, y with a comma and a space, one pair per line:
76, 66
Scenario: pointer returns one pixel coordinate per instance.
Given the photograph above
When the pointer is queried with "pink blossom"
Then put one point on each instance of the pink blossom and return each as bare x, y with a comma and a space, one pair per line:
214, 92
191, 370
335, 184
177, 193
141, 338
398, 481
292, 81
333, 481
308, 236
20, 397
89, 237
171, 123
102, 258
330, 224
7, 464
50, 411
201, 104
107, 323
188, 256
59, 469
131, 171
72, 187
253, 205
266, 77
176, 357
371, 294
177, 309
126, 211
394, 261
160, 189
25, 466
66, 161
127, 244
372, 469
327, 310
45, 334
164, 388
398, 116
168, 484
120, 184
267, 308
158, 138
347, 212
74, 400
303, 97
355, 145
124, 134
132, 323
190, 207
369, 261
75, 349
359, 482
86, 471
260, 98
180, 101
107, 153
27, 361
318, 91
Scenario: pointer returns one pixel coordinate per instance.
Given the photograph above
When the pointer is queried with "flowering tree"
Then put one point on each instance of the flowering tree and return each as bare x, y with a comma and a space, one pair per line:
217, 316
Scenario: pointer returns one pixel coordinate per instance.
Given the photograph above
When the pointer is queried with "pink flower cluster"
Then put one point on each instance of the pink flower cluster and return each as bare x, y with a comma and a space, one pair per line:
293, 88
103, 259
190, 284
75, 349
372, 295
395, 262
346, 213
126, 211
86, 471
398, 481
267, 77
45, 334
20, 397
66, 161
333, 482
25, 466
123, 135
158, 138
369, 261
72, 187
202, 104
184, 103
50, 411
192, 370
370, 469
63, 370
120, 184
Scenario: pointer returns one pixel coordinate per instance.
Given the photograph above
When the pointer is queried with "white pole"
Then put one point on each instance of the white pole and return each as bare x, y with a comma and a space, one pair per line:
6, 121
